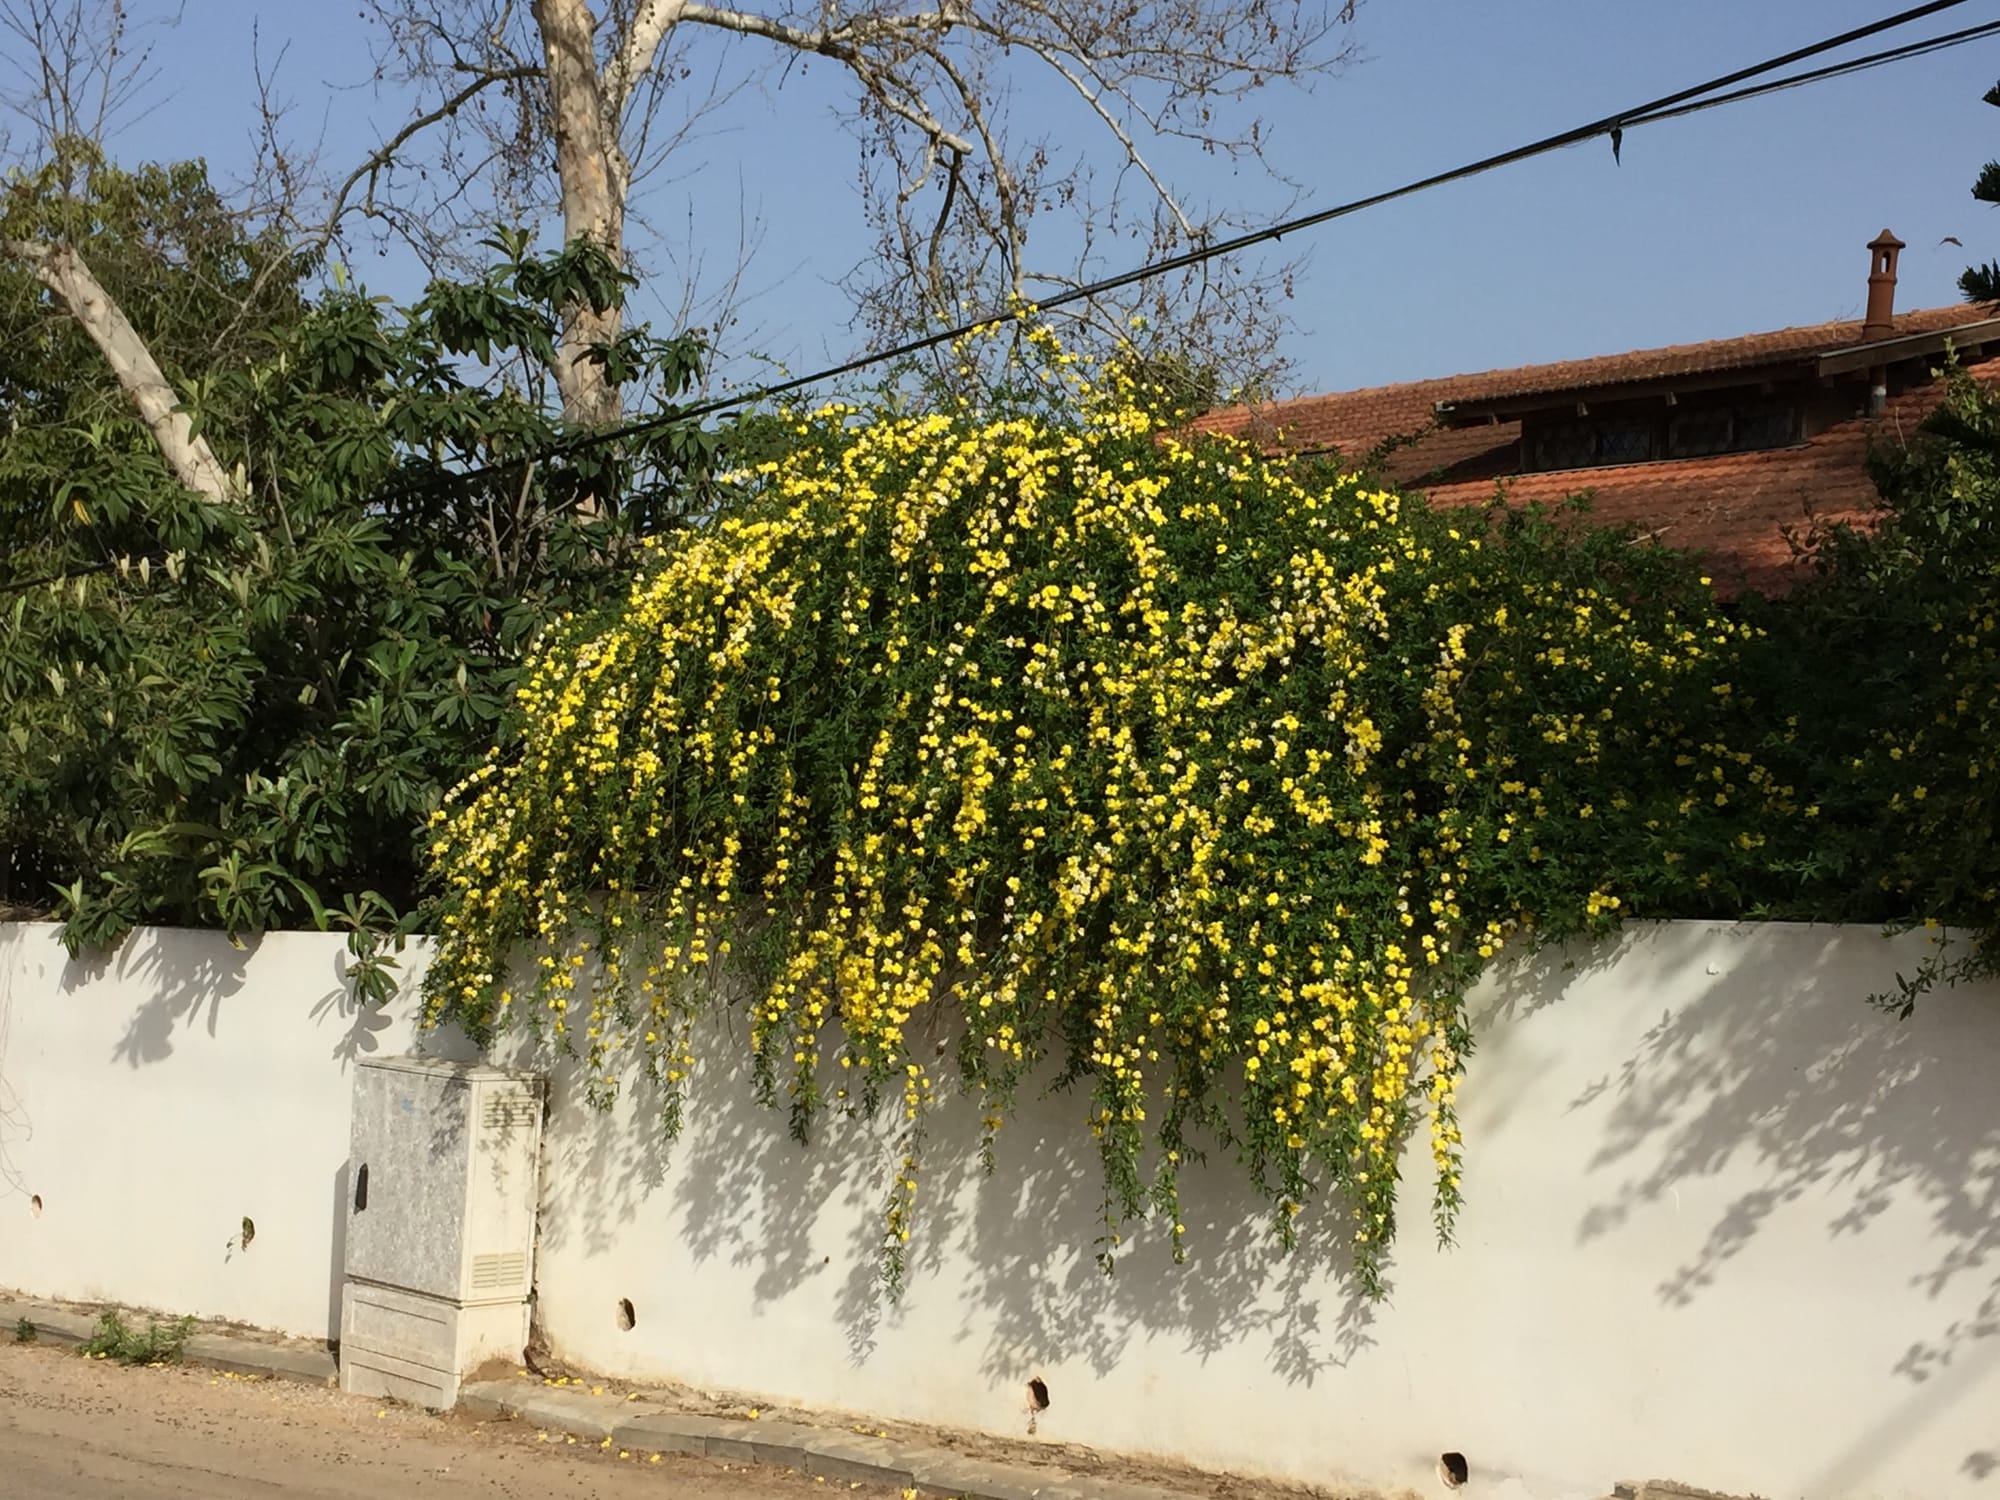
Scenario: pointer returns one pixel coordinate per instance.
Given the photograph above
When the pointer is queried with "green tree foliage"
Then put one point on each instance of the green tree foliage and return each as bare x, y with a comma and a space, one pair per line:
1982, 283
237, 715
1880, 678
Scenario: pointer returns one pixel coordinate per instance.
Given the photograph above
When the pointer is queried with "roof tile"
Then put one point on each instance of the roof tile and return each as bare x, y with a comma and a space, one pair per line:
1735, 509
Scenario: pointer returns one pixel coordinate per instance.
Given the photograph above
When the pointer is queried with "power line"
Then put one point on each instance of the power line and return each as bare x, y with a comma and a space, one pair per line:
1680, 103
1668, 106
1942, 43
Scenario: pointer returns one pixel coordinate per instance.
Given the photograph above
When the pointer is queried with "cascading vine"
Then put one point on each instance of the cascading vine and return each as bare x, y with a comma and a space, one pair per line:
1077, 740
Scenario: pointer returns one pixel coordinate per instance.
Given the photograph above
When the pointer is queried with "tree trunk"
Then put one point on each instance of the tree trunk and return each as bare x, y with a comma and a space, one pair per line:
593, 206
64, 271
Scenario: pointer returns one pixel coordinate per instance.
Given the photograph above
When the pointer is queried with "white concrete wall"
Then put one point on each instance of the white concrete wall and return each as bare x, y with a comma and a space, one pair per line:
154, 1098
1726, 1223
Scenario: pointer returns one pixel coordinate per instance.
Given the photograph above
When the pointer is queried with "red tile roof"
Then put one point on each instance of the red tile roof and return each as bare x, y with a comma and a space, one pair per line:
1733, 508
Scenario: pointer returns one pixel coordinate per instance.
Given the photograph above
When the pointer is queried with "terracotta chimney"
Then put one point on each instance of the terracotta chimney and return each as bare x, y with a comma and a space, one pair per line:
1881, 321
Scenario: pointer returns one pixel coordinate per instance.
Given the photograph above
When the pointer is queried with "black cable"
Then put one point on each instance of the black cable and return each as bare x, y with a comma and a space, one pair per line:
1819, 75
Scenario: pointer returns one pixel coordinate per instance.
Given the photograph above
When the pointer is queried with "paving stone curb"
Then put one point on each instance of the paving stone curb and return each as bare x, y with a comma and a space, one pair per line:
838, 1457
216, 1351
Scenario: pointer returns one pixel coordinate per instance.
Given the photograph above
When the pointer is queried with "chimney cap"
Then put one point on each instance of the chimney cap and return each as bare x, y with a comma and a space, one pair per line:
1881, 320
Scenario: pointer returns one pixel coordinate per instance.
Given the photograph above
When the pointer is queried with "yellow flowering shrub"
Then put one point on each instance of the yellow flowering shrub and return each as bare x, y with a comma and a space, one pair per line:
1041, 731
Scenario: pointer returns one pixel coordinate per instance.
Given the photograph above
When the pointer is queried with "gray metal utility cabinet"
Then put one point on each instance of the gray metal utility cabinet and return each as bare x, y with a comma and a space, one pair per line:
443, 1172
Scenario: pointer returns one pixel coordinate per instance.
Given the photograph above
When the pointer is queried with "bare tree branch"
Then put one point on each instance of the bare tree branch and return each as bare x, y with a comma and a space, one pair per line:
848, 45
931, 83
385, 155
647, 31
1092, 91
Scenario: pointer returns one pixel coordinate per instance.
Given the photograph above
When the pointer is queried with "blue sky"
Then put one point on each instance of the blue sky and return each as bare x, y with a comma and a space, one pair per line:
1742, 219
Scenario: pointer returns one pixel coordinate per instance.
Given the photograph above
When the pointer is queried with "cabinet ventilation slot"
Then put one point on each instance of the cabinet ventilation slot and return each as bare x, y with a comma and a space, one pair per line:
508, 1111
496, 1273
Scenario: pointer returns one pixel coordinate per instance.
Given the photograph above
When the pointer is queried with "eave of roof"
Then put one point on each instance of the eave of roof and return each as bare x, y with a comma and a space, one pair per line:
1968, 339
1481, 411
1793, 356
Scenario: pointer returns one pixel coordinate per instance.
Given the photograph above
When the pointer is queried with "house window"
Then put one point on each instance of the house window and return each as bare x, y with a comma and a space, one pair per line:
1561, 445
1627, 440
1591, 443
1698, 430
1771, 425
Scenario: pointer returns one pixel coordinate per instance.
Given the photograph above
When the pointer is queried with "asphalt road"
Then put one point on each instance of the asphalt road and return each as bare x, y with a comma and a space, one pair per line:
77, 1429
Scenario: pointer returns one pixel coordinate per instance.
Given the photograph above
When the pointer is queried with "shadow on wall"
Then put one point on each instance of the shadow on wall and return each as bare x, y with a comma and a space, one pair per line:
187, 975
1765, 1061
362, 1026
343, 1204
1024, 1238
1771, 1064
17, 1128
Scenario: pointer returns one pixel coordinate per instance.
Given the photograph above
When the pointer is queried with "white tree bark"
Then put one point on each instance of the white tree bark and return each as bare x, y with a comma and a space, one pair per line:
595, 177
64, 271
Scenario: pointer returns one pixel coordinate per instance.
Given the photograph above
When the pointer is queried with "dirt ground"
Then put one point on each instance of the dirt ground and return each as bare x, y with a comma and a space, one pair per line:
78, 1429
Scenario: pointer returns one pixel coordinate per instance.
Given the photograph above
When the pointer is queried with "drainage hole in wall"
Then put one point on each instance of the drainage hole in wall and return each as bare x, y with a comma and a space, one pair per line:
35, 1205
1037, 1403
361, 1187
627, 1318
249, 1232
1453, 1469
